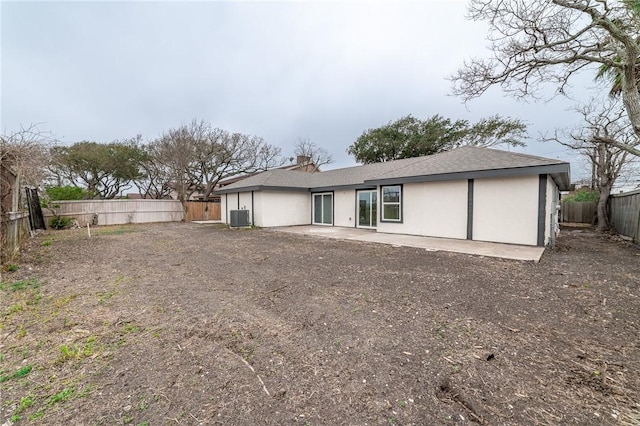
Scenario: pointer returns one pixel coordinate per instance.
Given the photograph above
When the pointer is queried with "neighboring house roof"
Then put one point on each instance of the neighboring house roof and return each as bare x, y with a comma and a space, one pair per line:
303, 164
460, 163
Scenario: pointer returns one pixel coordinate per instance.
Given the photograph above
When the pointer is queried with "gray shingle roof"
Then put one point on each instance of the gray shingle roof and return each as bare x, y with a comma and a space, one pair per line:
464, 160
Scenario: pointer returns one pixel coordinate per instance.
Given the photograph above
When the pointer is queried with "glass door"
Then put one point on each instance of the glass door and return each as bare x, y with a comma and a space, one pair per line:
323, 209
367, 209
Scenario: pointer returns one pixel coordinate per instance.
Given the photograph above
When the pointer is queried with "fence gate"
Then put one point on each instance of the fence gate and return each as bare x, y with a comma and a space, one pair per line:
202, 210
578, 211
36, 219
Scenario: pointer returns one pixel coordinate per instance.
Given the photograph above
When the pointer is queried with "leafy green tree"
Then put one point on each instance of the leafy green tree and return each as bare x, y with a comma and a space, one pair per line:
411, 137
102, 169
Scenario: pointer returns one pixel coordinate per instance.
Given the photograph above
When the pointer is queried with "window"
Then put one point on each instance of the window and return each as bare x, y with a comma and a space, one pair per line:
323, 209
392, 203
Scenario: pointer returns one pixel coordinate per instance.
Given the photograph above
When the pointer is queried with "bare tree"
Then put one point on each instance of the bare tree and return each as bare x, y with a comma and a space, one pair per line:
23, 160
319, 156
608, 122
196, 156
26, 151
550, 41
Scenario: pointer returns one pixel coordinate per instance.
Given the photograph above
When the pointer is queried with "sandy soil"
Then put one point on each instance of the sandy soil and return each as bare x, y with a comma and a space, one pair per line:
195, 324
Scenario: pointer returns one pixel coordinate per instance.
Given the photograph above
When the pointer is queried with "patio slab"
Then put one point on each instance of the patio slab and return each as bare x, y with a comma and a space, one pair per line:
479, 248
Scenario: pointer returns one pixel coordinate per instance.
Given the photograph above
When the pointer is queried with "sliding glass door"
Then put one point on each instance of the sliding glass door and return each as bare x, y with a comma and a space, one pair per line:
323, 209
367, 209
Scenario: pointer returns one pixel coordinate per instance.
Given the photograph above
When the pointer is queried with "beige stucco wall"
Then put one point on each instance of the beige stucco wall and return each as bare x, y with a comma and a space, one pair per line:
505, 210
270, 208
234, 202
344, 208
435, 209
275, 208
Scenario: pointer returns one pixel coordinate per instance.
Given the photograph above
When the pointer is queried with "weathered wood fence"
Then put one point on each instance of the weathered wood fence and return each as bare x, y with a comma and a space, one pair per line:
202, 210
625, 214
117, 212
14, 229
578, 211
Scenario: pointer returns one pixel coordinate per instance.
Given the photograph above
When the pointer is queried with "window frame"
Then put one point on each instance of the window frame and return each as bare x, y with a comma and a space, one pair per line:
322, 194
399, 203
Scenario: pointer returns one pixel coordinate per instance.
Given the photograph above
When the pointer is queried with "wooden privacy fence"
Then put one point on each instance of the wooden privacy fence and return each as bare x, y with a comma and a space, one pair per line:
625, 214
14, 229
578, 211
117, 212
202, 210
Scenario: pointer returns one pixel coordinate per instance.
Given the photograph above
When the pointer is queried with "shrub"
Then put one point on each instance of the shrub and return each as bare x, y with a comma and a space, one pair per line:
582, 195
58, 222
59, 193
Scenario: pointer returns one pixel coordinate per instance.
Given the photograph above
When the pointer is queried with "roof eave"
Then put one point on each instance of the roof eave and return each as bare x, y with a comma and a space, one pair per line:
561, 170
260, 188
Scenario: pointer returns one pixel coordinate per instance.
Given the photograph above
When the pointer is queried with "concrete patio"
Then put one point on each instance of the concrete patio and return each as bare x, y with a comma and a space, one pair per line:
479, 248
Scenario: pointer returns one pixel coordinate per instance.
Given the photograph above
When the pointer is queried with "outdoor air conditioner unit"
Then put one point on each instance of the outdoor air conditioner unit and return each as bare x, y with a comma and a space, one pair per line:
239, 218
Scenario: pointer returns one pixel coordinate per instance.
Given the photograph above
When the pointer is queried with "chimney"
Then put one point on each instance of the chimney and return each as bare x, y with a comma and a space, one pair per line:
303, 160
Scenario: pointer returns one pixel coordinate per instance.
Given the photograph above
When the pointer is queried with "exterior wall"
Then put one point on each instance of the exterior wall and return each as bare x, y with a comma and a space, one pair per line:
344, 208
551, 212
505, 210
434, 209
275, 208
237, 201
117, 212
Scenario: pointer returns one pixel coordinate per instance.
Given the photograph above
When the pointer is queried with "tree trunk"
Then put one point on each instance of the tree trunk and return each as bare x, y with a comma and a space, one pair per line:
602, 210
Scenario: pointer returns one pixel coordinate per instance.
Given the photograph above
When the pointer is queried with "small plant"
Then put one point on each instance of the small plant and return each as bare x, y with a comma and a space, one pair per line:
25, 403
20, 285
37, 415
58, 222
67, 353
46, 243
130, 328
61, 396
11, 267
21, 372
143, 404
15, 308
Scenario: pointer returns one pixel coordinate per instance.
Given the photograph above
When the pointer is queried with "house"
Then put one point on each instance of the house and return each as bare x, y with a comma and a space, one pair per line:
302, 164
467, 193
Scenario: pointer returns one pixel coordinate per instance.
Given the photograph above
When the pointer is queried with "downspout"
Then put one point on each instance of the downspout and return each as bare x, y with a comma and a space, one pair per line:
226, 207
252, 211
470, 183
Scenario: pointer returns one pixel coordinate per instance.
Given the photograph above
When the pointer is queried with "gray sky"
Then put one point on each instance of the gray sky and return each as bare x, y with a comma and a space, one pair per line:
326, 71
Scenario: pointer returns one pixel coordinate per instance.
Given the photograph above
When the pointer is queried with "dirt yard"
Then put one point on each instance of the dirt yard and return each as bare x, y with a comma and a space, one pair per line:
195, 324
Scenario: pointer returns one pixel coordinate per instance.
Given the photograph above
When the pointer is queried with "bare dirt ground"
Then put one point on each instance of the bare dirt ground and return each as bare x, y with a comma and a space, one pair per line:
195, 324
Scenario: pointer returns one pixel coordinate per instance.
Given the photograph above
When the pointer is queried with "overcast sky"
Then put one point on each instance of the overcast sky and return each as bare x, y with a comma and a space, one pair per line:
326, 71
